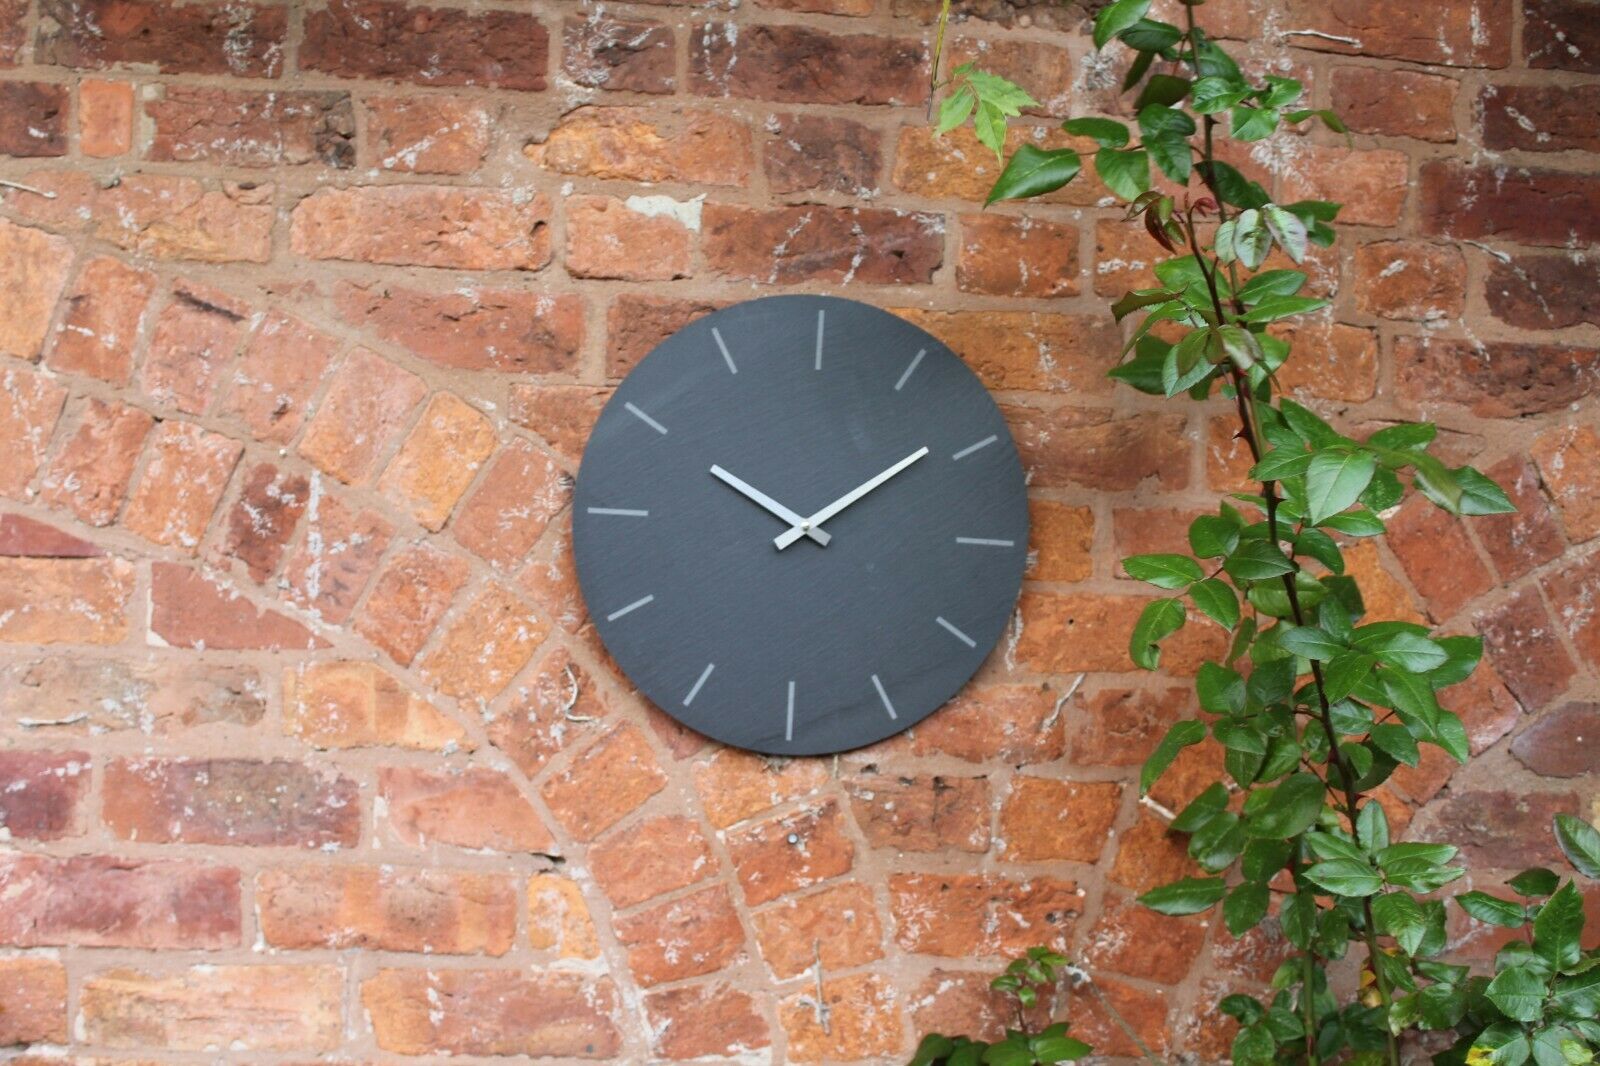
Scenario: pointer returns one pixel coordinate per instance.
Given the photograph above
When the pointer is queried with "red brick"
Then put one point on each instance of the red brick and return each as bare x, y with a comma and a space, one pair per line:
1495, 379
1046, 70
1144, 1010
251, 129
632, 241
605, 784
357, 704
1410, 280
1135, 941
1517, 543
191, 610
551, 579
1059, 541
427, 134
654, 857
1573, 589
964, 915
20, 535
836, 927
56, 601
858, 1018
1540, 118
1499, 829
1050, 623
1121, 727
439, 459
111, 695
91, 901
1148, 855
1396, 103
336, 557
797, 64
1521, 641
89, 477
734, 785
820, 153
557, 706
955, 166
1564, 742
1461, 33
1331, 361
243, 1008
686, 937
409, 598
1438, 558
1371, 183
474, 808
562, 415
230, 801
520, 493
367, 404
13, 31
33, 273
927, 813
169, 217
787, 245
1006, 255
244, 40
177, 491
636, 324
619, 55
42, 794
828, 7
105, 117
1544, 291
1016, 724
385, 908
273, 383
705, 1021
33, 118
1027, 350
474, 329
559, 920
422, 225
1074, 447
956, 1001
1569, 459
493, 1012
1560, 35
489, 640
264, 517
1541, 207
1044, 820
30, 404
33, 1001
193, 340
794, 851
436, 46
645, 145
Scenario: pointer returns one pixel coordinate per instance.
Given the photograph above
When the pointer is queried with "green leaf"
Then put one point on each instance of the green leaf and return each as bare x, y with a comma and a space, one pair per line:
1518, 992
1274, 308
1403, 650
1287, 230
1396, 742
1214, 94
1217, 601
1059, 1048
1373, 824
1281, 463
1400, 916
1461, 658
1557, 927
1188, 896
1107, 133
1493, 909
1345, 877
1332, 846
1404, 436
1033, 171
1168, 571
990, 125
1139, 298
1159, 120
1256, 560
1159, 619
1248, 241
1245, 907
1281, 91
1580, 842
1162, 89
1578, 996
1149, 35
1143, 371
1187, 362
1481, 496
954, 109
1203, 808
1263, 858
1172, 154
1117, 17
1127, 174
1295, 806
1253, 123
1271, 283
1309, 642
1181, 735
1535, 882
1213, 535
1232, 186
1354, 524
1335, 479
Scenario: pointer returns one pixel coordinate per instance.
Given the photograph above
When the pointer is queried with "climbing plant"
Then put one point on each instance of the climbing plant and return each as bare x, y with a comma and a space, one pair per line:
1313, 705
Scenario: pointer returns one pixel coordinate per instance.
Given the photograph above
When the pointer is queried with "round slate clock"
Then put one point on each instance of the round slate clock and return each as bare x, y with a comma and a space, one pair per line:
800, 525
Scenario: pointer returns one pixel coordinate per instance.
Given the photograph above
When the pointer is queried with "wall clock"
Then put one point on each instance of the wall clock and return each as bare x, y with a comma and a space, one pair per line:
800, 525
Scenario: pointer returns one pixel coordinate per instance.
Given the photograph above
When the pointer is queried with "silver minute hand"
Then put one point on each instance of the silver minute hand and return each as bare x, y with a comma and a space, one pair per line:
750, 492
799, 528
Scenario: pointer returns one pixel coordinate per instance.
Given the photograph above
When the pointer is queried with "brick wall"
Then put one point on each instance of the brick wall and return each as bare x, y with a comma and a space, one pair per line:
306, 748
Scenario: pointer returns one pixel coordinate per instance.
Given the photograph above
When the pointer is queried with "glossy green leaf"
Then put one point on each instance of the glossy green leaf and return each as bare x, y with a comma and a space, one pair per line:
1287, 230
1518, 992
1275, 308
1216, 600
1580, 842
1308, 642
1400, 916
1168, 571
1115, 18
1295, 806
1335, 479
1558, 926
1245, 906
1127, 174
1345, 877
1535, 882
1493, 909
954, 109
1107, 133
1214, 94
1282, 463
1213, 535
1188, 896
1253, 123
1256, 560
1034, 171
1159, 619
1181, 735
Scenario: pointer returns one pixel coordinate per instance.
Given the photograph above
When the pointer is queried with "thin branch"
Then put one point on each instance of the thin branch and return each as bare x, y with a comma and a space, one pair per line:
46, 193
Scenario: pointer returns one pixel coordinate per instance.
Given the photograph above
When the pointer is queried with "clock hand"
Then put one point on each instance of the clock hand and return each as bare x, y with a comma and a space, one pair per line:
802, 525
799, 529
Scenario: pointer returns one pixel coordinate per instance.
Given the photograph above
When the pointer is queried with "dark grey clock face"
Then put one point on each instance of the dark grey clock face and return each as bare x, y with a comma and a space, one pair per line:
726, 459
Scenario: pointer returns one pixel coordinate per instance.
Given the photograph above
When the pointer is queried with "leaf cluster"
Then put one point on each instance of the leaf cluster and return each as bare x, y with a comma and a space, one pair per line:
1024, 981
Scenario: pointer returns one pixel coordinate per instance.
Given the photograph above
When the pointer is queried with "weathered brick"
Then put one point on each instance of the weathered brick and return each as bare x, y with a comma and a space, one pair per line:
635, 324
1121, 727
787, 245
1149, 855
230, 801
1027, 350
964, 915
193, 340
1516, 543
1561, 35
836, 926
168, 217
60, 601
686, 937
1371, 183
90, 901
1396, 103
420, 225
605, 784
493, 1012
243, 1008
955, 166
797, 64
439, 459
105, 117
559, 920
20, 535
1479, 201
244, 40
1047, 71
654, 857
1520, 640
475, 808
366, 405
620, 55
263, 518
484, 646
1331, 361
33, 1001
791, 852
1438, 557
1494, 379
520, 493
961, 1001
42, 793
251, 129
427, 45
821, 153
339, 553
409, 598
1144, 1010
273, 384
1135, 941
1060, 537
1564, 742
1094, 448
1009, 255
427, 134
387, 908
640, 144
181, 483
862, 1020
924, 813
562, 415
13, 31
474, 329
1544, 291
109, 695
33, 273
1572, 589
89, 476
1044, 820
1017, 724
357, 704
1051, 623
1540, 118
30, 404
1499, 829
1460, 33
632, 241
1569, 460
708, 1020
734, 785
1410, 280
100, 326
33, 118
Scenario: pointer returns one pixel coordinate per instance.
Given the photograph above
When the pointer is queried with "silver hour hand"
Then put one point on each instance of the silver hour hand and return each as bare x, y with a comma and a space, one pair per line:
801, 527
750, 492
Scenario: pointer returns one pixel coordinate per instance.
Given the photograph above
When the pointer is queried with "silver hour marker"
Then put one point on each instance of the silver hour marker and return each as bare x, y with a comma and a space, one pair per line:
646, 419
986, 542
962, 637
726, 358
820, 315
788, 727
698, 683
910, 368
884, 696
634, 606
620, 512
969, 449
